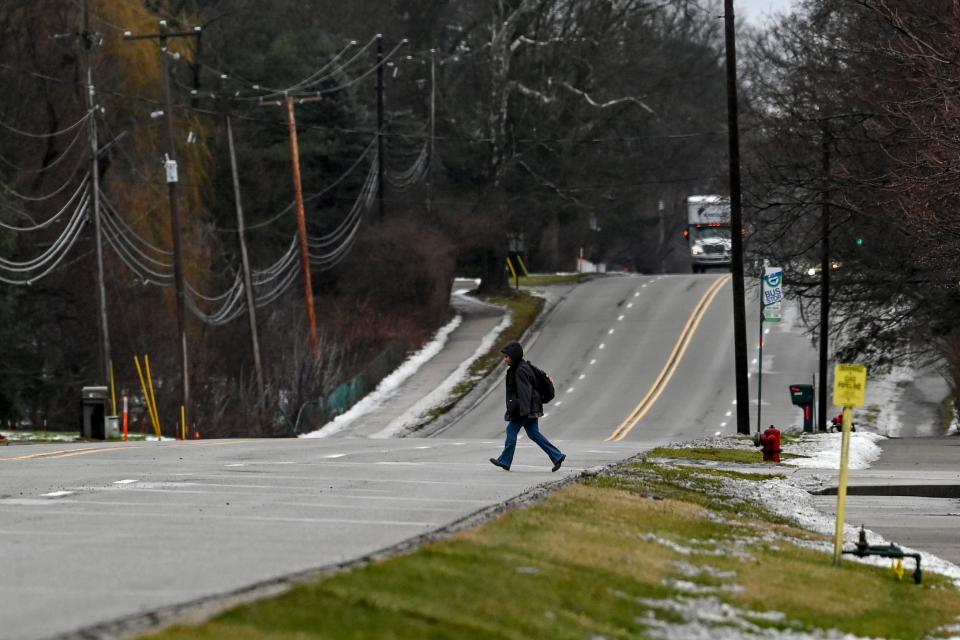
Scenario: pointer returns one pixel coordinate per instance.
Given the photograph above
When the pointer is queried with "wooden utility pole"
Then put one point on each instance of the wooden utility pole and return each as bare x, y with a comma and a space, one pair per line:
432, 131
170, 164
89, 40
244, 259
736, 226
825, 267
301, 224
380, 146
288, 102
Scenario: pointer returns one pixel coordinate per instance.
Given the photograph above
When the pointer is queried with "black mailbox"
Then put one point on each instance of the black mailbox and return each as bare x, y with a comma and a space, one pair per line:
801, 395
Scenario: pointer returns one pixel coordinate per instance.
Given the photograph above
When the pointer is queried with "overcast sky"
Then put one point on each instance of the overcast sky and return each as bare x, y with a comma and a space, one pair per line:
759, 11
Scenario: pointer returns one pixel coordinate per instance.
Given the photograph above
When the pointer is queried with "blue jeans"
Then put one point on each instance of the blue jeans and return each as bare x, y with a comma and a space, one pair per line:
533, 432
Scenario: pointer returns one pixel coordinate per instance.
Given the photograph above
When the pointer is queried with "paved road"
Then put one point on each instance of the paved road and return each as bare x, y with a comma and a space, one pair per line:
96, 532
106, 531
609, 344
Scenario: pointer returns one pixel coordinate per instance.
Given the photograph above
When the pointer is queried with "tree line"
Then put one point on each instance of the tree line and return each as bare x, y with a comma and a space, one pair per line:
571, 125
853, 130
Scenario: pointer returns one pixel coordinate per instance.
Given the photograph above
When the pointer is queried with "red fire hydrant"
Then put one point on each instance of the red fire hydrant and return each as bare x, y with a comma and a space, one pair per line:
770, 443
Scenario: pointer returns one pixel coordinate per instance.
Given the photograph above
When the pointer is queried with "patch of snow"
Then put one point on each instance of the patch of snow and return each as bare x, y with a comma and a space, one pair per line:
27, 436
822, 450
705, 618
389, 385
413, 415
691, 571
885, 393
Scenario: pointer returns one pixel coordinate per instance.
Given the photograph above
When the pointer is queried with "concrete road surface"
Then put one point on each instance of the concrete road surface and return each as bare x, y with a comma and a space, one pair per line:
90, 533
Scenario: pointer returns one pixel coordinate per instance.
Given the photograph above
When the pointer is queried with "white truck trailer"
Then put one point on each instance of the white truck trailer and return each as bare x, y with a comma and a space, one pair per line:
708, 232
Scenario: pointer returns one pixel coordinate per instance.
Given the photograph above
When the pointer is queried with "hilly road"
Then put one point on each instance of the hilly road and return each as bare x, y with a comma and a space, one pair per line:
92, 533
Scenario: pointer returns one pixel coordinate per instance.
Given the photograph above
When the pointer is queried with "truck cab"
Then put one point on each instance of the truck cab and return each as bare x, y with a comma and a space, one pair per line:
708, 232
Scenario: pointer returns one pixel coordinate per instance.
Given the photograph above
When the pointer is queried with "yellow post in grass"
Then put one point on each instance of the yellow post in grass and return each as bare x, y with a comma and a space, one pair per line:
849, 390
513, 272
153, 396
523, 266
113, 388
842, 486
183, 422
146, 396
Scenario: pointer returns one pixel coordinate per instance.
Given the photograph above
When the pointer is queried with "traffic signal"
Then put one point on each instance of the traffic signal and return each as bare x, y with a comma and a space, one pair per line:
859, 241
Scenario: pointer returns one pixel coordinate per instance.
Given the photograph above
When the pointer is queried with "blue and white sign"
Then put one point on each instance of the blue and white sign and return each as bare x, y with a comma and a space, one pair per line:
771, 293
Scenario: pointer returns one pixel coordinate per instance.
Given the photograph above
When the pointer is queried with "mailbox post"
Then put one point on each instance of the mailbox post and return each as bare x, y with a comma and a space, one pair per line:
801, 395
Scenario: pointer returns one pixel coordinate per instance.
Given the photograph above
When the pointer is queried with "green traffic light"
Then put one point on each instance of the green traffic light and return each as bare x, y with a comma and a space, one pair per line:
859, 242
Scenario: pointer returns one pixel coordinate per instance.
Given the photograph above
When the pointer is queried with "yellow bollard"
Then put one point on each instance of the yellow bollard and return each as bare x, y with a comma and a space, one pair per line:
513, 272
113, 388
523, 266
146, 395
842, 485
183, 422
153, 396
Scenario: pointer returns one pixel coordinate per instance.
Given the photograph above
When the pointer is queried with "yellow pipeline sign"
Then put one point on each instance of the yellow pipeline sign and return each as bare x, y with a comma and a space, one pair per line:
849, 385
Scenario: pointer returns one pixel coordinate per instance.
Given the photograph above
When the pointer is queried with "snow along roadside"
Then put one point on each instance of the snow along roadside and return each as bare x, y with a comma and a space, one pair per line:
388, 386
790, 499
436, 397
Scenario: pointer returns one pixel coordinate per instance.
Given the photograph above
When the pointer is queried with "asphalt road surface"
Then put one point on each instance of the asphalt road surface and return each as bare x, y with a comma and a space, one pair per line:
92, 533
651, 357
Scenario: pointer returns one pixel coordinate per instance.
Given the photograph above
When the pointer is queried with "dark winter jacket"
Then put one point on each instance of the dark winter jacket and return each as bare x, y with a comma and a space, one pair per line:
523, 401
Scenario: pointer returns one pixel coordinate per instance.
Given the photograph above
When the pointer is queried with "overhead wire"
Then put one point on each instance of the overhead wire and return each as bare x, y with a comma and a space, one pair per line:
49, 221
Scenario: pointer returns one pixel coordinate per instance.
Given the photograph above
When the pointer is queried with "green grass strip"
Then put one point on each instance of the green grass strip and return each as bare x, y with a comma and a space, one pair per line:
605, 557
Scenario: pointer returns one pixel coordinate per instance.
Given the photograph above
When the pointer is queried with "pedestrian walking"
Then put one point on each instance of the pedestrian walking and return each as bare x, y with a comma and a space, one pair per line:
524, 408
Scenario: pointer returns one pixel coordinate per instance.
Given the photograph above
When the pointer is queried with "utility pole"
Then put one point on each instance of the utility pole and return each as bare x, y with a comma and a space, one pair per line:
736, 225
301, 213
244, 259
89, 38
380, 145
170, 164
825, 267
432, 131
301, 224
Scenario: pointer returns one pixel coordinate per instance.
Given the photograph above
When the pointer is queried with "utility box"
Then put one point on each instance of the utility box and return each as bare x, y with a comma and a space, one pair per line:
93, 411
801, 395
111, 427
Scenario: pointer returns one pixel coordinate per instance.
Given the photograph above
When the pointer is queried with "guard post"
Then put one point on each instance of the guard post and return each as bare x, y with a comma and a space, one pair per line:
849, 391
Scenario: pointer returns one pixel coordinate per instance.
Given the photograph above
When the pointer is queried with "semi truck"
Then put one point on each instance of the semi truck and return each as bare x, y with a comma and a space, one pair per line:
708, 232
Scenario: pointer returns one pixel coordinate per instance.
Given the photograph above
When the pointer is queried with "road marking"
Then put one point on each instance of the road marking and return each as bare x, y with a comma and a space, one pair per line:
55, 494
729, 413
637, 294
610, 332
594, 361
128, 481
67, 453
620, 318
673, 361
570, 390
582, 376
602, 345
629, 305
558, 403
335, 455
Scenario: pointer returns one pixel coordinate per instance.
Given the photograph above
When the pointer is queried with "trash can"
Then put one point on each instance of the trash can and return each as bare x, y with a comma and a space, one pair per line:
93, 409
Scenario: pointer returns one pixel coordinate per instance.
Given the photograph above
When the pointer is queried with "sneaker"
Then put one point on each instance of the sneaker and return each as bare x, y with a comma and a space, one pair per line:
497, 463
556, 466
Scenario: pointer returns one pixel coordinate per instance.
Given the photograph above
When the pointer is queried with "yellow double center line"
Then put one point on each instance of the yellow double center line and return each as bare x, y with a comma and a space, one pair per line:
673, 362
